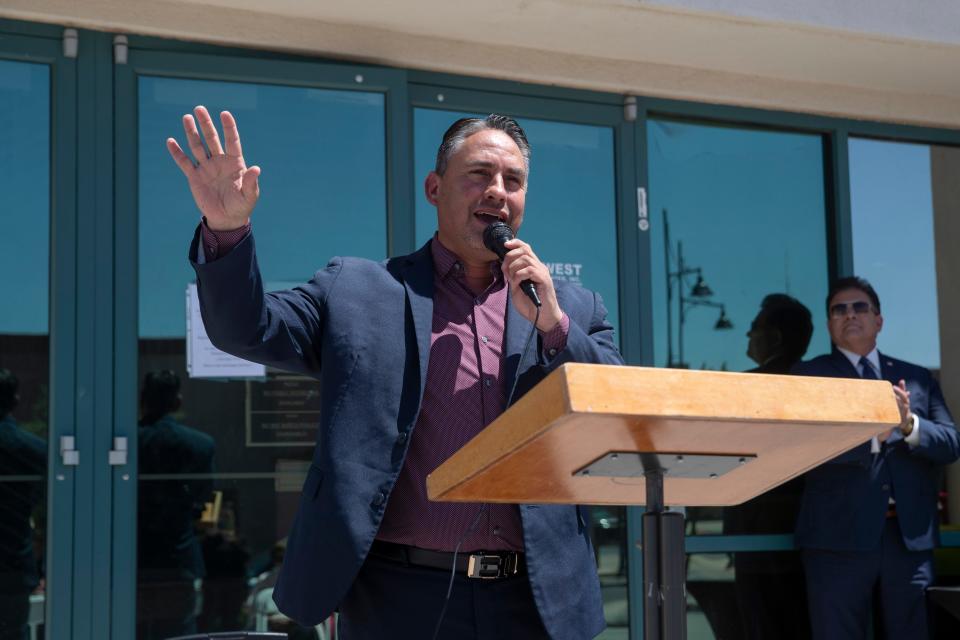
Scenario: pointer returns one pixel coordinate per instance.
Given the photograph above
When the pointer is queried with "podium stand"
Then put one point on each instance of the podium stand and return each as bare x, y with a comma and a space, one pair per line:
601, 434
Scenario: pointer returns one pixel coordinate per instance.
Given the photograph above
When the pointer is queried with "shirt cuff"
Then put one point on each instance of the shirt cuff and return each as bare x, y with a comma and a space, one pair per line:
914, 438
874, 444
555, 340
217, 244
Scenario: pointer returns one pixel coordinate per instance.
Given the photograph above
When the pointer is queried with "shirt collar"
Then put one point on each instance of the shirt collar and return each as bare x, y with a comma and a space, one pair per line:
446, 262
854, 358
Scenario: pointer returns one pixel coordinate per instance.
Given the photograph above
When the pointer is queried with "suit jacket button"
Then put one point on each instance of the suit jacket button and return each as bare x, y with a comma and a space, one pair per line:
402, 438
885, 487
379, 499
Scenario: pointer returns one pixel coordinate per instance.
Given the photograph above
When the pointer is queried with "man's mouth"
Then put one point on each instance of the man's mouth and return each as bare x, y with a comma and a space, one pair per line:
489, 217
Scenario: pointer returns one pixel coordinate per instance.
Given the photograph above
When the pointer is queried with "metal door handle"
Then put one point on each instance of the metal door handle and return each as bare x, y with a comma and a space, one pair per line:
68, 451
118, 455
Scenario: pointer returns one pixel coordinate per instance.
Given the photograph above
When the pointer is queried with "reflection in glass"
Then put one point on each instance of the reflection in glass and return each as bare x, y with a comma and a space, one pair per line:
176, 481
24, 344
739, 241
738, 214
222, 461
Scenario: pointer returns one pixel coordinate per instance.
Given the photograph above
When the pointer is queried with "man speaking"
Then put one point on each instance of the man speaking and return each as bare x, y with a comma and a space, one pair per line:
415, 356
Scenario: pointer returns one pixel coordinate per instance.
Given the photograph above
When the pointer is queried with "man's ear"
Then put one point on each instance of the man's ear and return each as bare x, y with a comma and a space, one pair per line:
879, 323
431, 187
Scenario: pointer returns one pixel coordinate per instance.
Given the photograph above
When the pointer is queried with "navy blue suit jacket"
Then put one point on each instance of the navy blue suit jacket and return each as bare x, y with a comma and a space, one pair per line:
845, 500
363, 330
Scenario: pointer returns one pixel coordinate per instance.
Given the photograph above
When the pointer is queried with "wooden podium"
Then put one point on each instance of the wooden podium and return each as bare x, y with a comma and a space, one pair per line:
601, 434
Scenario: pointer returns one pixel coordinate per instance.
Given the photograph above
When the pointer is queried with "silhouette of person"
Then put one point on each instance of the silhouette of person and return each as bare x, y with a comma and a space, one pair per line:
170, 561
22, 454
770, 587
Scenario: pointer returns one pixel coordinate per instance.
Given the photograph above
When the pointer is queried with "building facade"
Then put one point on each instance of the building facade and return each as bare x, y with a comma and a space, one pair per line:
689, 158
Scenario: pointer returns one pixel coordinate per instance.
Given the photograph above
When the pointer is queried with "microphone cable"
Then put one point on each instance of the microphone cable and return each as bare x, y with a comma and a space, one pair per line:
483, 507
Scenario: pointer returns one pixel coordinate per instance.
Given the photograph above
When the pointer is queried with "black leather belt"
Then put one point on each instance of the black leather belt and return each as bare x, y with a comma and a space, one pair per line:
487, 565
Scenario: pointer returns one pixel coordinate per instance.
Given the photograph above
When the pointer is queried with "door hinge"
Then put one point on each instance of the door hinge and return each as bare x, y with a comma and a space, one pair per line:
630, 108
71, 43
120, 49
68, 451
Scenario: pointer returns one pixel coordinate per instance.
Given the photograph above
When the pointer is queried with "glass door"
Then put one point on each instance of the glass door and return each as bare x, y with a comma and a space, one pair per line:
37, 419
222, 449
739, 273
571, 220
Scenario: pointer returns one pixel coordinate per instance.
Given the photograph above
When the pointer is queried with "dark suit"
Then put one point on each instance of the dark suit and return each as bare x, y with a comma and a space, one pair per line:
363, 329
849, 543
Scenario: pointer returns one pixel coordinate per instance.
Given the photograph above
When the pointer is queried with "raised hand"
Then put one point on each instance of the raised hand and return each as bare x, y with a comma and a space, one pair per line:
223, 186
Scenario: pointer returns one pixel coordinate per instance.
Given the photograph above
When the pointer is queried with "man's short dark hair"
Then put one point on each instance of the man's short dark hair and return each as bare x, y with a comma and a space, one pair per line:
853, 282
792, 319
161, 393
9, 385
466, 127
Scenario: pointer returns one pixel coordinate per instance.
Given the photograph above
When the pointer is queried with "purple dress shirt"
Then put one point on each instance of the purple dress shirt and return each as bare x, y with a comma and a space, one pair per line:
465, 391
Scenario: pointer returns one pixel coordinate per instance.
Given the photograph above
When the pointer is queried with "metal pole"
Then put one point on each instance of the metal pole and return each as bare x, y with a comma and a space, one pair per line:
652, 627
666, 260
664, 562
680, 301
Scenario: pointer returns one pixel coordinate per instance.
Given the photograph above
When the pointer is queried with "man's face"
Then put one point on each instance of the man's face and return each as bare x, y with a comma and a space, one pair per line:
764, 340
485, 181
853, 321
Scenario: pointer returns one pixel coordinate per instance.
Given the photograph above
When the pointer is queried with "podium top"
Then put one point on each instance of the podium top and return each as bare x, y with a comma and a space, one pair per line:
585, 434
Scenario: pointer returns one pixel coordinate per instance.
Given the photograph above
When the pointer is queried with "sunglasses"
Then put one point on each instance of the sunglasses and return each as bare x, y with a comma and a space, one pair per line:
859, 307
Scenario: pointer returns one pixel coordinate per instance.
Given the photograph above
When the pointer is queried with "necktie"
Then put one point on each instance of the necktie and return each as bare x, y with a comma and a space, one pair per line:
869, 374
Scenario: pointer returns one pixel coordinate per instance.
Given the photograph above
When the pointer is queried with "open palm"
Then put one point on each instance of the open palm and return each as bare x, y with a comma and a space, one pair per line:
223, 186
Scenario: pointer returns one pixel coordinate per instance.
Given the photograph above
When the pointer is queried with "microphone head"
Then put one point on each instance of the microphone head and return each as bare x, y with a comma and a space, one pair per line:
494, 237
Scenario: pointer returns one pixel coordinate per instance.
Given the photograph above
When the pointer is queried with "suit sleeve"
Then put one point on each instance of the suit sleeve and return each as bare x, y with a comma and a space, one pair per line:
939, 440
590, 336
282, 329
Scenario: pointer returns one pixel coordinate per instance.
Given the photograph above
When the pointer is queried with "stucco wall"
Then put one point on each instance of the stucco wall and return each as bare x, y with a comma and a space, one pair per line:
677, 50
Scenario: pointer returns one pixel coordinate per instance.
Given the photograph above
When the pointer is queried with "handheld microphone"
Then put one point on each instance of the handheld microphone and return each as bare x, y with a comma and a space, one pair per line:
494, 237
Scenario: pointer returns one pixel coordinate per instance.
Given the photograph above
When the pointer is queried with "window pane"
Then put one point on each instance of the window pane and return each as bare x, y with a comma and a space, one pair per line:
222, 464
891, 199
322, 191
745, 212
737, 215
24, 342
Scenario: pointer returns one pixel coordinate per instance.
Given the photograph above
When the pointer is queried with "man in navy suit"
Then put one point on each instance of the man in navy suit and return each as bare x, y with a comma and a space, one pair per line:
868, 518
415, 356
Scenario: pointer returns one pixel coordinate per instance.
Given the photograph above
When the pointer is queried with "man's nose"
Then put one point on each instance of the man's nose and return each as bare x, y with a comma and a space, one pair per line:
496, 189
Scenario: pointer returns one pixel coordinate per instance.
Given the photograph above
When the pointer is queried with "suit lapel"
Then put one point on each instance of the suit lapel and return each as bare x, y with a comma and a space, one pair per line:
418, 279
517, 331
844, 367
888, 370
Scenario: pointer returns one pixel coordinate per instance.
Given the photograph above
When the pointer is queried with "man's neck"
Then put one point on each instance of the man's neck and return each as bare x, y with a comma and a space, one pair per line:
477, 275
860, 350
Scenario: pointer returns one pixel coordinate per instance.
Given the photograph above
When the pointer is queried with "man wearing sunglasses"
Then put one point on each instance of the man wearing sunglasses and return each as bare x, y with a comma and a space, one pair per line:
868, 519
